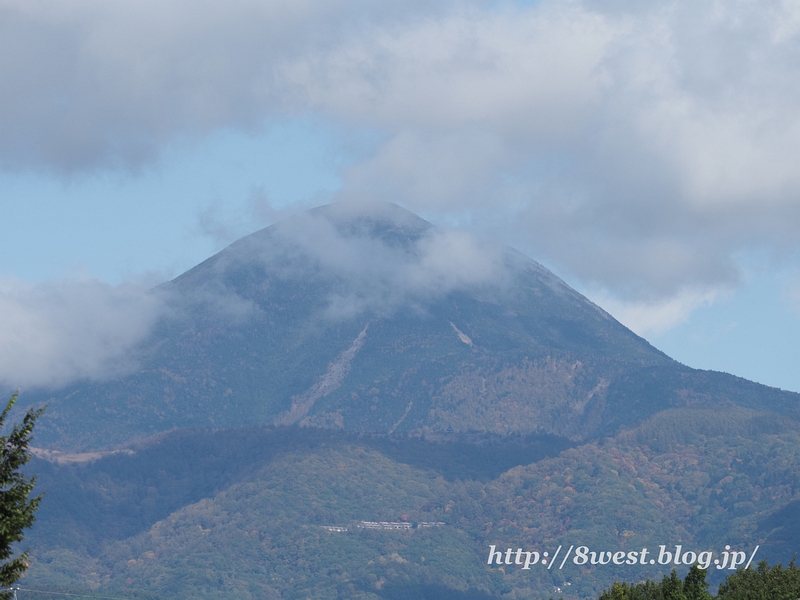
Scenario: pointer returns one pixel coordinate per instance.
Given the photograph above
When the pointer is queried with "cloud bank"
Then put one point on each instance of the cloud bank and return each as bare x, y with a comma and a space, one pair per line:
640, 148
54, 333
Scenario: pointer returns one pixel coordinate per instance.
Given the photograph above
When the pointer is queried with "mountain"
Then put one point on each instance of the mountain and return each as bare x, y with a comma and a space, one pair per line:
367, 318
356, 364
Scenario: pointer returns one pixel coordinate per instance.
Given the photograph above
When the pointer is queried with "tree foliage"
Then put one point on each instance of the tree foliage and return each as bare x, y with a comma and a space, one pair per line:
693, 587
763, 583
17, 509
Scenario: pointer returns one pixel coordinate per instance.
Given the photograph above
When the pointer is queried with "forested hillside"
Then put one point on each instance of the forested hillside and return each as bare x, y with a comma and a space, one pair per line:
241, 513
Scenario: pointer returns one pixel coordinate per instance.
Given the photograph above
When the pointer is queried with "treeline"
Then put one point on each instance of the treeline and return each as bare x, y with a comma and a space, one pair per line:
762, 583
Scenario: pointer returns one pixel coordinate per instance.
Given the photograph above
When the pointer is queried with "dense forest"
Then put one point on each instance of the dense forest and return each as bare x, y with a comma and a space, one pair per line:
242, 513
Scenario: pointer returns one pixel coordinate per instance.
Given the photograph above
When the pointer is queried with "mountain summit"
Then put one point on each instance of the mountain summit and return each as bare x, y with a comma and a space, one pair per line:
365, 317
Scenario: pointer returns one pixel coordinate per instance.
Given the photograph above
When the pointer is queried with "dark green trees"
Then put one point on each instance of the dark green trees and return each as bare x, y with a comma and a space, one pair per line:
649, 590
16, 508
693, 587
763, 583
672, 587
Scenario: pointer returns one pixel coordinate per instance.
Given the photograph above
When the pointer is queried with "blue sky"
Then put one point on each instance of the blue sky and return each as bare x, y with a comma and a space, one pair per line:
647, 154
169, 215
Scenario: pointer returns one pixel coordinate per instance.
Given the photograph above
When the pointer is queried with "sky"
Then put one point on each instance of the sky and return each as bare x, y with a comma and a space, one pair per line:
646, 152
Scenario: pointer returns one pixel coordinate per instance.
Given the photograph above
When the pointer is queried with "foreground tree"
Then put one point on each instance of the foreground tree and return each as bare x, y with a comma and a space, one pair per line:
649, 590
670, 588
16, 507
763, 583
695, 586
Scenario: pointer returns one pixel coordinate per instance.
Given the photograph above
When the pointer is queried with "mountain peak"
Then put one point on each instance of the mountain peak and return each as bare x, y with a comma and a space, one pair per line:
348, 212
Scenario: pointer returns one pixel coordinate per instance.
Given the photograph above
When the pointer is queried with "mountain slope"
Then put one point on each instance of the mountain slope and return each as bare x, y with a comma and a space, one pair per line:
242, 513
368, 318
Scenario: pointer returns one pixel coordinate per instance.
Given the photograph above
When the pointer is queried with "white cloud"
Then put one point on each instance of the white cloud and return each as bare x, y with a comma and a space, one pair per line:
656, 317
637, 147
54, 333
376, 270
526, 72
637, 151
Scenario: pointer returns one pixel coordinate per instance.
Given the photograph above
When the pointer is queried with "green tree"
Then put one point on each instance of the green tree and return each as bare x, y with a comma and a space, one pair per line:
695, 586
16, 507
648, 590
672, 587
763, 583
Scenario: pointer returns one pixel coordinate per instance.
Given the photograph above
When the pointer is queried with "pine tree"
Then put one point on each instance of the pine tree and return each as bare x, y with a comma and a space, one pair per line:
695, 586
672, 587
16, 507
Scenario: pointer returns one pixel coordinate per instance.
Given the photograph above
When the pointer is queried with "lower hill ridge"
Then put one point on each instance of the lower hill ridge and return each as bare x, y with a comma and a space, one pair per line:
247, 513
